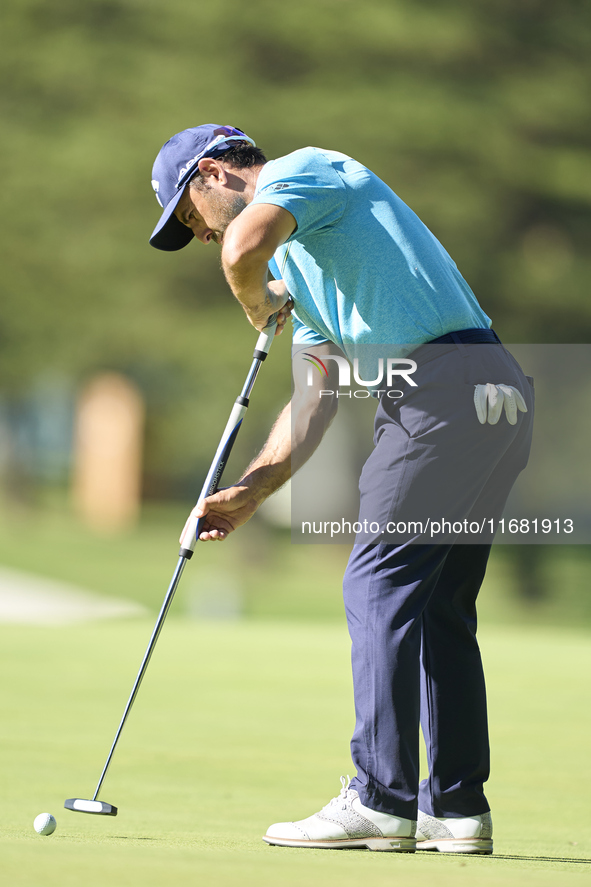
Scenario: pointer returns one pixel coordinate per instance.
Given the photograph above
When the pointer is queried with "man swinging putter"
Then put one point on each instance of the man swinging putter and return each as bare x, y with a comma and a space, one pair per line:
317, 236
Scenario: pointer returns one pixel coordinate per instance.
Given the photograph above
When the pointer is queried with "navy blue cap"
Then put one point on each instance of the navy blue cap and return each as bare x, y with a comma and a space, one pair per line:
175, 165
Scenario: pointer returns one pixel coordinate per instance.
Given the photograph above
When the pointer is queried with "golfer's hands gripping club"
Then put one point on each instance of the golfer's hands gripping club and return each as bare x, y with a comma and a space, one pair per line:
283, 315
220, 514
284, 312
277, 303
490, 400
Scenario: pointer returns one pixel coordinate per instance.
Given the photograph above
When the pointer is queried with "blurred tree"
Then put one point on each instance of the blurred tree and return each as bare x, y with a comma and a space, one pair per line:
476, 113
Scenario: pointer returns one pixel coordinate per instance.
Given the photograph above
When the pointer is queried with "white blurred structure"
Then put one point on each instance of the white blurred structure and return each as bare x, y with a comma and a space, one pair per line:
26, 599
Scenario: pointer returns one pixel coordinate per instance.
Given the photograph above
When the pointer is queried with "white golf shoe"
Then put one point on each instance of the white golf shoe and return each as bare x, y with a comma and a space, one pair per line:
468, 834
346, 824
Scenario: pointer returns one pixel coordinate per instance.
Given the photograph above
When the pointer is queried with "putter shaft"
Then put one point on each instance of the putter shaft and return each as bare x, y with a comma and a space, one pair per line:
147, 656
191, 535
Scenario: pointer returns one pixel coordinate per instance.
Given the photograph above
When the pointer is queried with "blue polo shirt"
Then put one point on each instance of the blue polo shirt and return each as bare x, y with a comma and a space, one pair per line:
361, 266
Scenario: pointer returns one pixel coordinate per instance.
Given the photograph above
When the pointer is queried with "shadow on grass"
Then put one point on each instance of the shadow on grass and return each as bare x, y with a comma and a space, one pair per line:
493, 856
127, 838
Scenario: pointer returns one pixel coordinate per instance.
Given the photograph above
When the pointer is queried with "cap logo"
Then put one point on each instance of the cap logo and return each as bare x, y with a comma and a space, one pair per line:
185, 169
156, 187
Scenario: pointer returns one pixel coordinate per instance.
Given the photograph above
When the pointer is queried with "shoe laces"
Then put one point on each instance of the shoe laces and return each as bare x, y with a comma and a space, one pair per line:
343, 798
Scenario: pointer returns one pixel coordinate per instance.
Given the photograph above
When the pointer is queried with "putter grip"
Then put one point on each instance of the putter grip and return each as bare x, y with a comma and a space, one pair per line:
189, 534
266, 337
192, 527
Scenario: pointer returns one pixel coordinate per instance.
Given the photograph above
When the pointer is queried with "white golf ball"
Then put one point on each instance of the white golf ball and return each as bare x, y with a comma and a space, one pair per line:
45, 824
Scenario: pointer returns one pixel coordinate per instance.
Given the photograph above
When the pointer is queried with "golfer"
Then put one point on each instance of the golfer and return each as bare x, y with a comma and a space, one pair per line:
317, 236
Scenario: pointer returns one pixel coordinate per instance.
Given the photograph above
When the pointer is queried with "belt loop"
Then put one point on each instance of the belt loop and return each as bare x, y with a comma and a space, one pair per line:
458, 343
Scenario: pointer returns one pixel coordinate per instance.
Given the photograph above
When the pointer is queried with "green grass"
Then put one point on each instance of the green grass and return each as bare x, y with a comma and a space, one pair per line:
241, 724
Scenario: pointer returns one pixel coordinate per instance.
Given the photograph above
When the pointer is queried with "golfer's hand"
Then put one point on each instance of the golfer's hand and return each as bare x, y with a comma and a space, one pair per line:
275, 300
223, 512
283, 315
490, 400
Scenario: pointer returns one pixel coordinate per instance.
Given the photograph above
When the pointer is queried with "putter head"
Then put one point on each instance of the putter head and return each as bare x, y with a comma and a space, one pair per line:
80, 805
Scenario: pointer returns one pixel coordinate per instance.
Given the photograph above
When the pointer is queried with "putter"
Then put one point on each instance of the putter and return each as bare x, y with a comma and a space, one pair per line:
189, 539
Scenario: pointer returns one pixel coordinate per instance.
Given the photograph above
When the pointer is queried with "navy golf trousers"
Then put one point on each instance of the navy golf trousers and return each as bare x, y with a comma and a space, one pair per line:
411, 605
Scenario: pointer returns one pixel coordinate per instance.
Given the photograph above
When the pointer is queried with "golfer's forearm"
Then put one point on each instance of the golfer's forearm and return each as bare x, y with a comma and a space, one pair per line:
289, 446
249, 244
246, 274
264, 478
272, 467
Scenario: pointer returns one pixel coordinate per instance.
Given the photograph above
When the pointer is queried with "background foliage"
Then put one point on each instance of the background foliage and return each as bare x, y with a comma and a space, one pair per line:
476, 113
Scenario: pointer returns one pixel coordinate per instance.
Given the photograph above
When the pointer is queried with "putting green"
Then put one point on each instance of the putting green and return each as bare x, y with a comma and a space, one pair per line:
240, 724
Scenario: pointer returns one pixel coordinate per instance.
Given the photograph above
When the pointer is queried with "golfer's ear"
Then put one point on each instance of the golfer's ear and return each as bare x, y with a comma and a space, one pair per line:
210, 168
